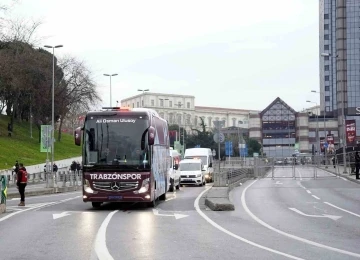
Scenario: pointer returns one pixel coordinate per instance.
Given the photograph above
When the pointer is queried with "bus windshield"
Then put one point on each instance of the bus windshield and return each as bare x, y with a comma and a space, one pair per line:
116, 140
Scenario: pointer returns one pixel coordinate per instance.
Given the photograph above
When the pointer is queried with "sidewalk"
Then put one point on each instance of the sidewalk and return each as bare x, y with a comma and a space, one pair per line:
339, 170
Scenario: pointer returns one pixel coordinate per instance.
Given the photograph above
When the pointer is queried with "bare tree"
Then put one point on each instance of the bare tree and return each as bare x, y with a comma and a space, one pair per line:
76, 91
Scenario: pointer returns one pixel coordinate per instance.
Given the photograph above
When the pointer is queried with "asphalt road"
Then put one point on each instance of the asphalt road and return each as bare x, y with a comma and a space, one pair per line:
283, 218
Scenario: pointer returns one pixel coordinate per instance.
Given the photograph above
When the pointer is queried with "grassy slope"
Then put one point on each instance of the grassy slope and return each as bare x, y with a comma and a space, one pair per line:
24, 149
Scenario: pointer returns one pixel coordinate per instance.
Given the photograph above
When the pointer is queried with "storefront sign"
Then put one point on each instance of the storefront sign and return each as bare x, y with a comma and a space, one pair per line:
350, 133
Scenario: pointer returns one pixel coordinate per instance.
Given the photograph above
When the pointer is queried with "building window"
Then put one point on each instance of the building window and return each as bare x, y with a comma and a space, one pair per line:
234, 122
326, 58
133, 105
327, 98
152, 103
326, 16
171, 118
195, 121
326, 47
142, 103
188, 119
179, 104
326, 37
188, 104
137, 104
327, 67
170, 103
240, 122
179, 119
326, 27
161, 102
327, 78
327, 109
327, 88
209, 122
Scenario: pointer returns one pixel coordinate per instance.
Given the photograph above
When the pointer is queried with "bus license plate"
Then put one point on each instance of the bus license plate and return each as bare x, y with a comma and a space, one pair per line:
115, 197
187, 179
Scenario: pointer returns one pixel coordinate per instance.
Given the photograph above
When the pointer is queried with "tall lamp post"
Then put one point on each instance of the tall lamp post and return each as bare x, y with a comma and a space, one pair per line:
179, 106
143, 91
317, 126
325, 132
52, 104
110, 75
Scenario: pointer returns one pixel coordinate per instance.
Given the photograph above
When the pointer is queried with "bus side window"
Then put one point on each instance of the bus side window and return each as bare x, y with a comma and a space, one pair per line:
92, 139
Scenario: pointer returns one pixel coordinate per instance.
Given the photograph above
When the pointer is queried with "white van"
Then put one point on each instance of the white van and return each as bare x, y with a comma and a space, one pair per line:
173, 171
192, 172
206, 157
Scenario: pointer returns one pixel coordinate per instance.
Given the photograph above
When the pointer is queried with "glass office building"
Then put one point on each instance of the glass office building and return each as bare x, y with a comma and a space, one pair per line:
339, 40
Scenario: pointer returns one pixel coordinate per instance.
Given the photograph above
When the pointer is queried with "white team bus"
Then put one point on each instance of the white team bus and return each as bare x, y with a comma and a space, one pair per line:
206, 157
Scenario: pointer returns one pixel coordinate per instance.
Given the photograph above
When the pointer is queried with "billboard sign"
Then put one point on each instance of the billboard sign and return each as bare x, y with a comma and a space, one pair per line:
45, 141
322, 144
350, 133
331, 143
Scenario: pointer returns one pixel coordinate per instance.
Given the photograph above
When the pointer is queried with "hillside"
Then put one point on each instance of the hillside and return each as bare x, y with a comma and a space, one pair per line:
27, 150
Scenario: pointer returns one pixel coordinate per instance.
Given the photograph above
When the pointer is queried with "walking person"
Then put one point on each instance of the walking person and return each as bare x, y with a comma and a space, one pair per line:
357, 164
21, 182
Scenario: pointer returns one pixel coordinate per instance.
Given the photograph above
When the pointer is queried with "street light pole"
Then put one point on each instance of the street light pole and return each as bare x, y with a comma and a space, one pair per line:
317, 127
343, 137
325, 131
179, 105
110, 75
53, 105
143, 91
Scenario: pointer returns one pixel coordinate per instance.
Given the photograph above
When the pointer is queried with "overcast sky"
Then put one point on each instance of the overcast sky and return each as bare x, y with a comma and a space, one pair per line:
234, 54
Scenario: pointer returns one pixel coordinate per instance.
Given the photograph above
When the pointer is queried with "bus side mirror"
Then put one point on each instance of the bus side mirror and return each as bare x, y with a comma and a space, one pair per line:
176, 166
77, 136
151, 135
210, 164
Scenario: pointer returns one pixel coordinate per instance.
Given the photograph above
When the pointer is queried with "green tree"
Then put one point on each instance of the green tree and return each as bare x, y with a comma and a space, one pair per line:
202, 137
253, 146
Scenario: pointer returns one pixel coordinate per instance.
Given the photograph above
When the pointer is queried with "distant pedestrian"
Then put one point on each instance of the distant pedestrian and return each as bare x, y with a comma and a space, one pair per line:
21, 183
55, 168
9, 129
357, 164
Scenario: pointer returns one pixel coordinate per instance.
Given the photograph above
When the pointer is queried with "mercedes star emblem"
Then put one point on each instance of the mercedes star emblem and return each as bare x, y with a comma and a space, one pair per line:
114, 186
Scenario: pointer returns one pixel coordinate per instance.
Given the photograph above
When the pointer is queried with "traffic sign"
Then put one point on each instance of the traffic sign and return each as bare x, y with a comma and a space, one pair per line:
218, 124
228, 148
219, 138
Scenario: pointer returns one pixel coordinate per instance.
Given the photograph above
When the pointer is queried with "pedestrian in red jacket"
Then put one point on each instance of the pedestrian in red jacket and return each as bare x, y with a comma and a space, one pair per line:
22, 177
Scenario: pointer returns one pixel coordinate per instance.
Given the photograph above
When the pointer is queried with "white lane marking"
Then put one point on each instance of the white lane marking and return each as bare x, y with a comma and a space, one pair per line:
299, 174
299, 183
352, 213
34, 208
333, 217
243, 202
203, 215
176, 215
344, 179
308, 191
101, 249
316, 197
55, 203
278, 183
60, 215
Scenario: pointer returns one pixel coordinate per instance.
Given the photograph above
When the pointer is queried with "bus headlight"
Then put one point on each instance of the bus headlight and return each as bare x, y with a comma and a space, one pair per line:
87, 187
144, 186
198, 175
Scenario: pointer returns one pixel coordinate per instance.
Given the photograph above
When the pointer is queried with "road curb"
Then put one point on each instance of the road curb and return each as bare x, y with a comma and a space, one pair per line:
344, 176
217, 198
45, 191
